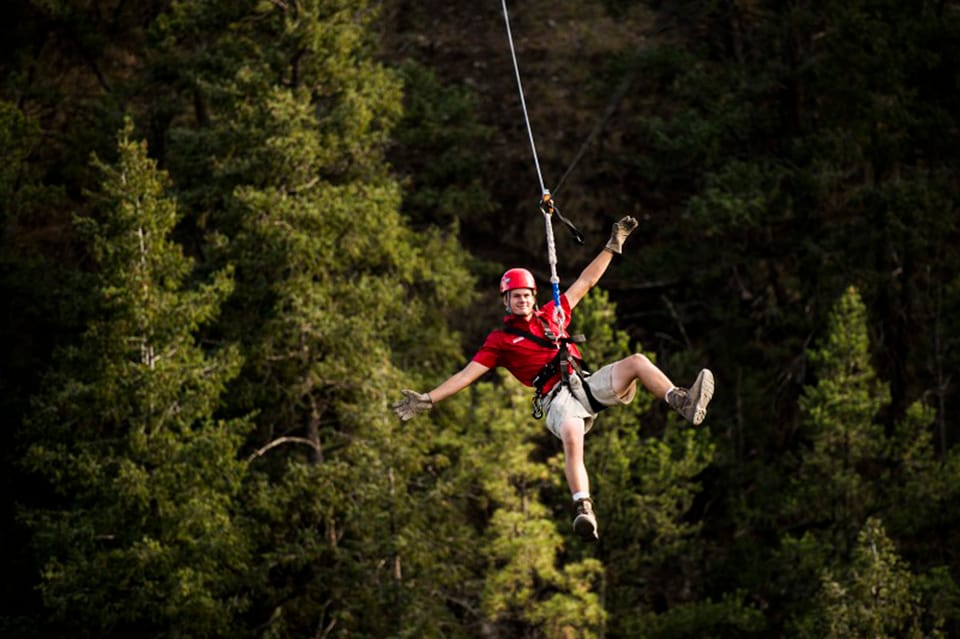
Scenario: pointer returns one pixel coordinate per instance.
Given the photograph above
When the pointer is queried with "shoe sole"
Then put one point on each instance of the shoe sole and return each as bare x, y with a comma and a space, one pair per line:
702, 389
585, 528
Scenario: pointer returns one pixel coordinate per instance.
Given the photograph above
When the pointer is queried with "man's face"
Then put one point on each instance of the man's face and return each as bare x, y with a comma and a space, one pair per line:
521, 301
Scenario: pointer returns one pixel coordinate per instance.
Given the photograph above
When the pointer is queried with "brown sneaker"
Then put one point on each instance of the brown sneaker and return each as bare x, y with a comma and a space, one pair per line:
692, 402
585, 523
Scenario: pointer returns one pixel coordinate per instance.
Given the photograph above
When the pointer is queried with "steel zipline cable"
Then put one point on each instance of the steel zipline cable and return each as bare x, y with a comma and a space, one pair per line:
523, 101
547, 206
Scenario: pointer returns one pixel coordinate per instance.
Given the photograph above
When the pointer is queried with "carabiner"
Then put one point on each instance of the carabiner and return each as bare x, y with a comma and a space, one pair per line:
547, 206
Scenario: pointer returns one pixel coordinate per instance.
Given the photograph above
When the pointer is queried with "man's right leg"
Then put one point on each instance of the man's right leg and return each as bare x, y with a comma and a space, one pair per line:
584, 522
576, 472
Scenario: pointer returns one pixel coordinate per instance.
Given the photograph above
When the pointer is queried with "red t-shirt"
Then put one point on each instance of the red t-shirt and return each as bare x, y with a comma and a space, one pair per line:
521, 356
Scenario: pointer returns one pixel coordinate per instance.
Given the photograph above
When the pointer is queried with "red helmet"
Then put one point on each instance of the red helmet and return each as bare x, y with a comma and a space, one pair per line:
517, 278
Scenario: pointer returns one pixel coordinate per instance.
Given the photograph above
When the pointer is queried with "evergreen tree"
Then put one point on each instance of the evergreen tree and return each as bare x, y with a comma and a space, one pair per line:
437, 145
138, 531
876, 596
778, 164
775, 152
920, 513
834, 483
833, 487
334, 294
646, 470
44, 301
531, 587
851, 471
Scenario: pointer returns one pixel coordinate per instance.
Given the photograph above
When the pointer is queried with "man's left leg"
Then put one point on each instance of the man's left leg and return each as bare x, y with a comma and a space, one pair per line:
690, 402
639, 367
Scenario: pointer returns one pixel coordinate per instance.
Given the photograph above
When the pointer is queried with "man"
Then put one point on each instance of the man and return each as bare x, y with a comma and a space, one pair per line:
532, 338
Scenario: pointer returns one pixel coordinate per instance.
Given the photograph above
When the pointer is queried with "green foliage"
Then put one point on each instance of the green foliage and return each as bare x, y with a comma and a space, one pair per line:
139, 528
853, 469
876, 598
283, 95
437, 142
924, 491
834, 480
333, 291
644, 487
729, 617
323, 162
43, 299
34, 282
18, 135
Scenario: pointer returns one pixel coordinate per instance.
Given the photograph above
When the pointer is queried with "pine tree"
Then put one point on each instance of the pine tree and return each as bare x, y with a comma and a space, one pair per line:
835, 481
334, 296
851, 472
531, 586
44, 299
646, 469
876, 596
833, 485
137, 533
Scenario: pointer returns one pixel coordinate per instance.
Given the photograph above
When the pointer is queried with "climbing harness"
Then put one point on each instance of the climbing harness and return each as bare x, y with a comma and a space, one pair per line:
563, 363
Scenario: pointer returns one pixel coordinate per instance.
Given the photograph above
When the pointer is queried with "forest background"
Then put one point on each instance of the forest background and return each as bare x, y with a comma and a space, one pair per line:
233, 231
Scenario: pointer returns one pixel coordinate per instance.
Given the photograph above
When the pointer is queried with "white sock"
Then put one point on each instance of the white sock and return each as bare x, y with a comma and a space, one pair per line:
666, 396
583, 494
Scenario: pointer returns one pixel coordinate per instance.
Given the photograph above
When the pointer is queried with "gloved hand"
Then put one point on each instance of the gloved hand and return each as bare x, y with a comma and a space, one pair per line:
620, 231
412, 404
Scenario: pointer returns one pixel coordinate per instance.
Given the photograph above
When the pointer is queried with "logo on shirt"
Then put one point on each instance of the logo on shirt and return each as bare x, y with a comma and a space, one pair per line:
517, 339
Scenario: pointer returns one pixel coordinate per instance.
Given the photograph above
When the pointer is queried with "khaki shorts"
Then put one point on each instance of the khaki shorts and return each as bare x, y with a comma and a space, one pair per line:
562, 403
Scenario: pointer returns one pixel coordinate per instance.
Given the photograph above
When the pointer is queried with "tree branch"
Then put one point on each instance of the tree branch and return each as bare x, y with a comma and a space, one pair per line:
283, 440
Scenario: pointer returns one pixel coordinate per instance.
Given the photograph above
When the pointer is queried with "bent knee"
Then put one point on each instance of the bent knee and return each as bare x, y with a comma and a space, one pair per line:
640, 362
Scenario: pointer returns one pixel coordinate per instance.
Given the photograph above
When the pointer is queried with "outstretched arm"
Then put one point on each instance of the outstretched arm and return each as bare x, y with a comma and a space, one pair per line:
594, 271
458, 381
589, 277
414, 403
